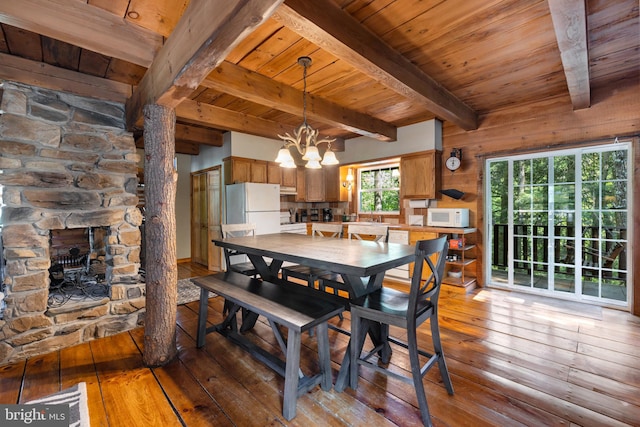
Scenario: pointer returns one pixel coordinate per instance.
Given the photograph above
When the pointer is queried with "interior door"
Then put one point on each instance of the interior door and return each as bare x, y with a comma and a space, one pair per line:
206, 214
199, 218
214, 193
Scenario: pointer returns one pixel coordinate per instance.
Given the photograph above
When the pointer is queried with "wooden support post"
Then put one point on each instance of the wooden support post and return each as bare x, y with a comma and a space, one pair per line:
160, 180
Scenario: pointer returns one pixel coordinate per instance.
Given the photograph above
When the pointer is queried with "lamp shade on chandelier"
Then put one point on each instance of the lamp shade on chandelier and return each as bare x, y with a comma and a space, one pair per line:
305, 138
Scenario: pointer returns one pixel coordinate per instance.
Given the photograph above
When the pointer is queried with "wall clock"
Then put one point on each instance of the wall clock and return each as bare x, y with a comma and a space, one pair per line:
454, 160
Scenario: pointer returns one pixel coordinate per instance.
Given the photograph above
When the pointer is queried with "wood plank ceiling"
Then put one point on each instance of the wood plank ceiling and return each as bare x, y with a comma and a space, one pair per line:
377, 64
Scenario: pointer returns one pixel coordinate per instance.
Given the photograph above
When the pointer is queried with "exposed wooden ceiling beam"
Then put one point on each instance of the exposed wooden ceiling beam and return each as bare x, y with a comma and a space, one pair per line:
40, 74
246, 84
323, 23
81, 24
206, 33
570, 24
209, 115
198, 135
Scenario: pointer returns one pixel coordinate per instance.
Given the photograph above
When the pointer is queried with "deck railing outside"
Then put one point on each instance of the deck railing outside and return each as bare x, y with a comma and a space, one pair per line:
527, 256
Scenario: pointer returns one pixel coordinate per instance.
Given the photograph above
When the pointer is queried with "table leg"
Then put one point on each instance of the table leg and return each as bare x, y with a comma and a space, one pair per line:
267, 272
202, 317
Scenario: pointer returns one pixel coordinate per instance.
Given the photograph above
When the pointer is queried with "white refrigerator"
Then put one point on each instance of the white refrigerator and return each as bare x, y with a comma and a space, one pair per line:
254, 203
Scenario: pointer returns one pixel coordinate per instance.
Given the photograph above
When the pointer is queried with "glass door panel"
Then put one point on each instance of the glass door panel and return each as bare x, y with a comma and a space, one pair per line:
499, 233
559, 222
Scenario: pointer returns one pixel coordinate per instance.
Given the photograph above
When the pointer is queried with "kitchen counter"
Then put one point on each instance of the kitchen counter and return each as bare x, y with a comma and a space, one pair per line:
407, 227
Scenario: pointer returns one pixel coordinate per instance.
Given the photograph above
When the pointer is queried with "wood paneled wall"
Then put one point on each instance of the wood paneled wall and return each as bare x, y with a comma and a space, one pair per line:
547, 125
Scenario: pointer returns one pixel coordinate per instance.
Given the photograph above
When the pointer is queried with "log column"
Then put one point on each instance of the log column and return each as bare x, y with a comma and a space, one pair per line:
160, 180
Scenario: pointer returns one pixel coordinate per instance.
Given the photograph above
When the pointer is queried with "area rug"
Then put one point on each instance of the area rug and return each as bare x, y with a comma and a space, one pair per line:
76, 398
188, 292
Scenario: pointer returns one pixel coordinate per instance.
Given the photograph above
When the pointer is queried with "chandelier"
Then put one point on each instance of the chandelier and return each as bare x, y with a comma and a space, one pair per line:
305, 138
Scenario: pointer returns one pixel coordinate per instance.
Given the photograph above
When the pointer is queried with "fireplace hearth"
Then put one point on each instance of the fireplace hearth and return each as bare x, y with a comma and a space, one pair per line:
77, 285
78, 267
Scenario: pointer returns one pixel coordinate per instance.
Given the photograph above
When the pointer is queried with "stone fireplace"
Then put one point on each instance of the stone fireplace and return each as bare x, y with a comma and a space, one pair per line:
66, 163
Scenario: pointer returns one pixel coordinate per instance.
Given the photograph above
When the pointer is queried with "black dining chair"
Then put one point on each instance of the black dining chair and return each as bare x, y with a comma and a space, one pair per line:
408, 311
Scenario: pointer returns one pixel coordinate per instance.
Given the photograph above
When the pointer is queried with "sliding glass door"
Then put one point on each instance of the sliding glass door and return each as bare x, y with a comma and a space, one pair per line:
559, 223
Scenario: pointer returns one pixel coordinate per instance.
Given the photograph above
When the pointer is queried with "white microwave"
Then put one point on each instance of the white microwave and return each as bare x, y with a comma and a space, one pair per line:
448, 217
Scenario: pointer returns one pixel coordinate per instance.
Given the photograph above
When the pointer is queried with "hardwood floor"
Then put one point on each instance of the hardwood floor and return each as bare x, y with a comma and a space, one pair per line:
514, 360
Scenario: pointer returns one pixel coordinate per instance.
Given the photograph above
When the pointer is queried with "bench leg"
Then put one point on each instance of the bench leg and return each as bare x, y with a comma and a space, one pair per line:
324, 355
291, 375
202, 317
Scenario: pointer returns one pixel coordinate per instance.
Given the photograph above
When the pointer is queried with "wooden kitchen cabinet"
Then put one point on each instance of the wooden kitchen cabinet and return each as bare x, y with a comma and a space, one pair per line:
240, 169
273, 173
259, 171
420, 175
301, 187
331, 183
414, 237
288, 177
314, 179
237, 170
313, 185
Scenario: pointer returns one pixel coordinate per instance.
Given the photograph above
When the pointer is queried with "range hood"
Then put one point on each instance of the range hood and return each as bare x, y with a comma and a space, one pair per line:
288, 190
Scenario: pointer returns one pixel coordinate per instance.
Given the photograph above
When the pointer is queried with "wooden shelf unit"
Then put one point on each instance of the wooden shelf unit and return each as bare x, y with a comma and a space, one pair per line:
465, 280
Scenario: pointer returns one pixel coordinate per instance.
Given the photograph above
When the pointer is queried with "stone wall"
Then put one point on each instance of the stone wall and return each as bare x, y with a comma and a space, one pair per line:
65, 162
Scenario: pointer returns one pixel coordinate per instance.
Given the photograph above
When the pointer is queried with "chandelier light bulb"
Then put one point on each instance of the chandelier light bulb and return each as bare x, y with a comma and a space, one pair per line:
313, 164
288, 165
312, 153
284, 156
329, 158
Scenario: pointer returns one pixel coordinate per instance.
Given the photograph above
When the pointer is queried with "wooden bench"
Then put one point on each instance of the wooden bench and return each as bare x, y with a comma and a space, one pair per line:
295, 307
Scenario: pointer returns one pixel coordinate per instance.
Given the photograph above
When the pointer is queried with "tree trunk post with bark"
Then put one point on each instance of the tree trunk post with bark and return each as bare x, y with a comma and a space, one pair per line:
160, 179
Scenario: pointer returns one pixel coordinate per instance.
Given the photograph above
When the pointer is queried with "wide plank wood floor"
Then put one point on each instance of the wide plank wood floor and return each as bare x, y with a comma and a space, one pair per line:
514, 360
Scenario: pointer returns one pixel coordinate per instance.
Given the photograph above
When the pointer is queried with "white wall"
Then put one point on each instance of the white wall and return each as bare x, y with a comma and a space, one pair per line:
254, 147
413, 138
211, 156
183, 207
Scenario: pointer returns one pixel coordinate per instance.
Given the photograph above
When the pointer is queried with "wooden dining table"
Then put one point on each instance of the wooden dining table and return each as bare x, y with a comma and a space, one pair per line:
362, 264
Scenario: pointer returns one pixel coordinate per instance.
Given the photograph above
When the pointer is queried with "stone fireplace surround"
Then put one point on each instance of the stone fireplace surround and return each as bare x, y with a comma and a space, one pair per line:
65, 162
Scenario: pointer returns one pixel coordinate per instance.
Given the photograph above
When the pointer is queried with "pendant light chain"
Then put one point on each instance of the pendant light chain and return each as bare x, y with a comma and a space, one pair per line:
304, 93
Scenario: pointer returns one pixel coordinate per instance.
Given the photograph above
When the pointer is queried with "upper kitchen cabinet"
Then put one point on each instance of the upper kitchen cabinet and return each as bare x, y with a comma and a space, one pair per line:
321, 185
315, 185
301, 186
240, 169
273, 173
259, 171
420, 175
288, 177
331, 183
